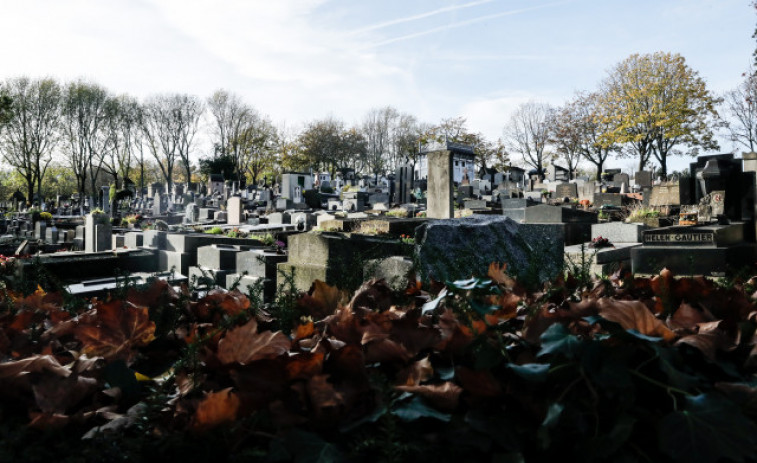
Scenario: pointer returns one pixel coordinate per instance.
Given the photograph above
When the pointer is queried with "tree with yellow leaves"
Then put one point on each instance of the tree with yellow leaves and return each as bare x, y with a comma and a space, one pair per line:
654, 104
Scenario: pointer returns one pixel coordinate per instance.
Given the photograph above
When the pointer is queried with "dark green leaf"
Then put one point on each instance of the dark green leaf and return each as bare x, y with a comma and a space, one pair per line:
310, 448
558, 340
415, 409
483, 309
536, 372
673, 366
711, 428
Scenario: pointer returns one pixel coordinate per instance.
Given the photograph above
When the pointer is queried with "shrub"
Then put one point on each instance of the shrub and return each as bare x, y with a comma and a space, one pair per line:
215, 231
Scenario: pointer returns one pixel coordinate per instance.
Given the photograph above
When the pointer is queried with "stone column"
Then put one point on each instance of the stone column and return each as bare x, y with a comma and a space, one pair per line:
749, 198
440, 190
106, 199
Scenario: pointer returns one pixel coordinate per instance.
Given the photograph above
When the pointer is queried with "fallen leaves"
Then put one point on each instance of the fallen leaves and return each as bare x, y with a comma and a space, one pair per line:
485, 355
244, 344
111, 330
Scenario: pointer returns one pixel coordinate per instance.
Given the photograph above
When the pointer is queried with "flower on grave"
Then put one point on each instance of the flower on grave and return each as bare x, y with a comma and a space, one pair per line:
407, 239
600, 242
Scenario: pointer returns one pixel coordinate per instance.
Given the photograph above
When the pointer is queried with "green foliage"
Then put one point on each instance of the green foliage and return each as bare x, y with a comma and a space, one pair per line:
656, 102
214, 231
223, 165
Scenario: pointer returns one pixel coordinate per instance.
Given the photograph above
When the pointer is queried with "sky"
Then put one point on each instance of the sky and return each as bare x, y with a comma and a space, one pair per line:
301, 60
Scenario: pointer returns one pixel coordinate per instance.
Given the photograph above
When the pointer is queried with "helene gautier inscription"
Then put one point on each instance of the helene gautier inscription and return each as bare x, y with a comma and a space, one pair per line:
687, 238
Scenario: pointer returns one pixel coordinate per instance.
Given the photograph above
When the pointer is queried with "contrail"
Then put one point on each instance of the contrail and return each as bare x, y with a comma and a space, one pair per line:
419, 16
461, 24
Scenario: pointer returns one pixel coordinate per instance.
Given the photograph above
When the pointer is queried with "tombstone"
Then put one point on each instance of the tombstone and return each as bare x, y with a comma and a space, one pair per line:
97, 233
235, 211
191, 213
643, 179
279, 218
440, 186
607, 199
566, 190
712, 250
51, 235
78, 240
158, 207
404, 184
465, 192
620, 179
557, 173
105, 199
39, 229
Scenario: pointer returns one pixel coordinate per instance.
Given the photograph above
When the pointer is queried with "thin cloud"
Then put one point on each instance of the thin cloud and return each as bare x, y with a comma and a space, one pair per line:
456, 25
416, 17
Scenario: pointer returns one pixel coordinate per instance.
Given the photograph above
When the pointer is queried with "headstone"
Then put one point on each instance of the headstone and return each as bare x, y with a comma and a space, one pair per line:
440, 187
235, 211
566, 190
608, 199
105, 199
644, 179
191, 213
97, 234
39, 229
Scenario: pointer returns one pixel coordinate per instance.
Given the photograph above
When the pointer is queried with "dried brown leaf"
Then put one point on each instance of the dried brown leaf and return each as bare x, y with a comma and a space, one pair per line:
244, 344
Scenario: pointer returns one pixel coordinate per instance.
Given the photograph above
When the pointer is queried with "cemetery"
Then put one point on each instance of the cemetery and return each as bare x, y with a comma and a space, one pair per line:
192, 279
295, 258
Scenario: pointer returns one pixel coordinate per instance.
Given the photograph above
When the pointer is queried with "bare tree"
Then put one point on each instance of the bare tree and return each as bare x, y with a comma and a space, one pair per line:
231, 117
187, 110
161, 128
741, 105
377, 128
527, 133
28, 137
125, 135
85, 130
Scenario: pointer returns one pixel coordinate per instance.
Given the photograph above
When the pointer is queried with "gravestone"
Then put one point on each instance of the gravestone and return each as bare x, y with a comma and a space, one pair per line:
51, 235
620, 179
97, 233
440, 186
608, 199
566, 190
712, 250
192, 212
644, 179
576, 223
39, 229
235, 211
105, 195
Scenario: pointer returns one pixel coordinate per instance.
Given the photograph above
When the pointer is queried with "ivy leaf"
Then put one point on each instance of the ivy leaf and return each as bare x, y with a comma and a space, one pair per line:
415, 409
558, 340
307, 447
710, 429
482, 309
536, 372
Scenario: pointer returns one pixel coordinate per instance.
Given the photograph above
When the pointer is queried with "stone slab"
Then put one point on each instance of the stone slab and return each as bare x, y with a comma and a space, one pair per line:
619, 232
448, 250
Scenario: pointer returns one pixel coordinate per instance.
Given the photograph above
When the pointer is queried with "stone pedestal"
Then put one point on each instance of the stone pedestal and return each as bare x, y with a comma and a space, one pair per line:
440, 186
235, 212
